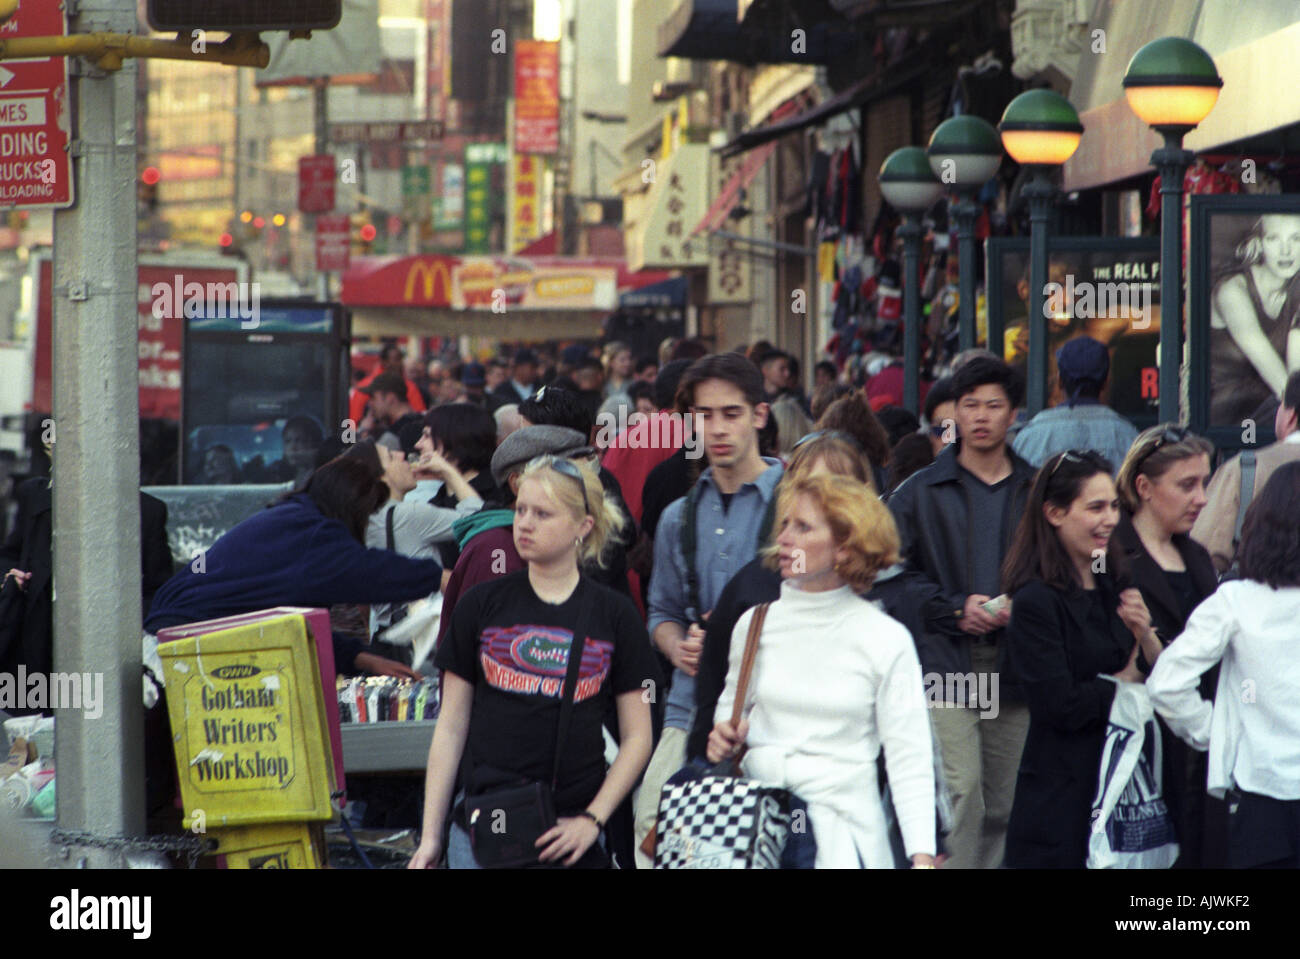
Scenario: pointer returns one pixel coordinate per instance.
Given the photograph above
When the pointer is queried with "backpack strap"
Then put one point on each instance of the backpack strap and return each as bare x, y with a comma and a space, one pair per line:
388, 528
769, 520
1248, 461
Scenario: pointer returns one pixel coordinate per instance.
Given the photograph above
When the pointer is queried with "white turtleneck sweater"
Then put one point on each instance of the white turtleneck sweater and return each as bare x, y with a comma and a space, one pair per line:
835, 680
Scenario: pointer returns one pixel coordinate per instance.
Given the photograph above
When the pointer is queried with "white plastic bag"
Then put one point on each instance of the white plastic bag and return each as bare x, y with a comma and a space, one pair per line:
418, 629
1131, 825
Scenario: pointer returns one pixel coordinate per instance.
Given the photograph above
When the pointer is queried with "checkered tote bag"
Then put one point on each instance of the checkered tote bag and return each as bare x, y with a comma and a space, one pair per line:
724, 821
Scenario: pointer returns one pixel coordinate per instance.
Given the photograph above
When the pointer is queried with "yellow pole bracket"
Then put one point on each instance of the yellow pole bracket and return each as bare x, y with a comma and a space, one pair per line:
108, 50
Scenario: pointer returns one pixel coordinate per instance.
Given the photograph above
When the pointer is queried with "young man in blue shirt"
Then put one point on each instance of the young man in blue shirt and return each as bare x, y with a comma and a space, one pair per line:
724, 395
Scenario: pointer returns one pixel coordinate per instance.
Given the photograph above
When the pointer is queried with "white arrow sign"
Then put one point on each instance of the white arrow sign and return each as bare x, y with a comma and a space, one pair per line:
5, 77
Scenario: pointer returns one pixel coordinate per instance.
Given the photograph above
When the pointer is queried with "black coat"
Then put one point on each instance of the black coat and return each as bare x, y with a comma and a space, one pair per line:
1145, 573
1199, 819
1058, 661
26, 616
937, 533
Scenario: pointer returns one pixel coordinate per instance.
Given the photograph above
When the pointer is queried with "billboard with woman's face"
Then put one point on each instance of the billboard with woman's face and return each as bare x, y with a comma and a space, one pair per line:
1244, 307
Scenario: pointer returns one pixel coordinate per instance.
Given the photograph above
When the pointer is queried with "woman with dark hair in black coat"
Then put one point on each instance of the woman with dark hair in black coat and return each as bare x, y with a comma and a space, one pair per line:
1072, 619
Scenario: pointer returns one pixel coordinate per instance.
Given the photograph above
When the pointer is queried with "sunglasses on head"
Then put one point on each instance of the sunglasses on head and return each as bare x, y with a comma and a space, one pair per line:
1169, 436
1077, 456
570, 469
828, 434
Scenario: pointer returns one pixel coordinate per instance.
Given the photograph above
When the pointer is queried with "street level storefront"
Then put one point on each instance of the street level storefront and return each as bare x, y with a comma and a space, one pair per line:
499, 298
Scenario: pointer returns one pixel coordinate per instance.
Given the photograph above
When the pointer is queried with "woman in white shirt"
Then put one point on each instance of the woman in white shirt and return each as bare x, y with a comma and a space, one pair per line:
835, 679
1252, 729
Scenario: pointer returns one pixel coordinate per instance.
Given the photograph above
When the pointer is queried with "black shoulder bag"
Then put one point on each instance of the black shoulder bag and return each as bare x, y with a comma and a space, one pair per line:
504, 823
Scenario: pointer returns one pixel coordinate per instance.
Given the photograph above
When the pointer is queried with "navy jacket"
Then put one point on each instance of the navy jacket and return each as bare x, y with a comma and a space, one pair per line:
289, 555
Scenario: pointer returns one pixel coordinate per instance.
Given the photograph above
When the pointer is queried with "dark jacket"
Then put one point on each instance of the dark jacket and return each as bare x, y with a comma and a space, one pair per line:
290, 555
26, 633
1145, 573
1058, 661
1183, 768
937, 546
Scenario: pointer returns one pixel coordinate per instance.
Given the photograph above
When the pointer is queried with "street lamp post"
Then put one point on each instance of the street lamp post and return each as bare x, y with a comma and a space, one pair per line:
1040, 130
908, 184
1172, 85
964, 153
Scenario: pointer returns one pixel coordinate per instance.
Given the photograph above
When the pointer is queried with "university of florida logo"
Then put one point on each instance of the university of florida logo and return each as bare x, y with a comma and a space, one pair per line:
534, 659
542, 650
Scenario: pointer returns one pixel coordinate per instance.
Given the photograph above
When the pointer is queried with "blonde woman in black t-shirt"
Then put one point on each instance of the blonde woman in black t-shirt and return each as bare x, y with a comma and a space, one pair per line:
504, 661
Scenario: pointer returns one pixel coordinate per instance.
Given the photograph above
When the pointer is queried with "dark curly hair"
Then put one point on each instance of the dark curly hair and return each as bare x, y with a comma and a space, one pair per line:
556, 406
1270, 537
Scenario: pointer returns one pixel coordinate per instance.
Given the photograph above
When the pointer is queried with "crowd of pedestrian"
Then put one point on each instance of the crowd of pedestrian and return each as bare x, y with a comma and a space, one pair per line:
940, 613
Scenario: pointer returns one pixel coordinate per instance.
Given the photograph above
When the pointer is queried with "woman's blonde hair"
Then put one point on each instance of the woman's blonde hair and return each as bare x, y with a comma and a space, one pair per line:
1251, 248
860, 523
1155, 450
840, 452
791, 424
561, 488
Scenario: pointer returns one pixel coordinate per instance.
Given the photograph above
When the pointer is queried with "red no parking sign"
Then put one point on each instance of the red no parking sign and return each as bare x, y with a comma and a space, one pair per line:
35, 116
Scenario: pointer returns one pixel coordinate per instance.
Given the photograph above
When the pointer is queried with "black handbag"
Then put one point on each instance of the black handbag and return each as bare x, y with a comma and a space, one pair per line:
504, 823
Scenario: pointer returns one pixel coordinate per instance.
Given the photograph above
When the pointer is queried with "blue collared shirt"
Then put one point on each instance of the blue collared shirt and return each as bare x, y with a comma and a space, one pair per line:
1083, 427
725, 541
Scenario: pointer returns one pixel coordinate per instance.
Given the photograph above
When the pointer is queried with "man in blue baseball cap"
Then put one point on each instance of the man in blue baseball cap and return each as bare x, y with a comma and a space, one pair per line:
1082, 422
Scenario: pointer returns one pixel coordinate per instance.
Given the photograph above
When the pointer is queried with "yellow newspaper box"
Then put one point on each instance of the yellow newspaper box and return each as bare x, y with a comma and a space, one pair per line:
288, 846
248, 724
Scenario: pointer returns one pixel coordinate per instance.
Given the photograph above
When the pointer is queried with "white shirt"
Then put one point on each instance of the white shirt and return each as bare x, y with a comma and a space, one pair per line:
834, 680
1252, 729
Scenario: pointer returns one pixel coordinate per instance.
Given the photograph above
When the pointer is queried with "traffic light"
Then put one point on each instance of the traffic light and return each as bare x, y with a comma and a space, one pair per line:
147, 192
232, 15
363, 233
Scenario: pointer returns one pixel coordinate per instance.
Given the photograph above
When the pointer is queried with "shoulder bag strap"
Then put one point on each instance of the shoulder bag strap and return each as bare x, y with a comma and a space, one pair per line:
747, 661
388, 526
690, 540
1247, 464
571, 680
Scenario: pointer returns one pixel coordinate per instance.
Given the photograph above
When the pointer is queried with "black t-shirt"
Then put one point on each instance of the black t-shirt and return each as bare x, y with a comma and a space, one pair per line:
514, 648
1185, 592
987, 504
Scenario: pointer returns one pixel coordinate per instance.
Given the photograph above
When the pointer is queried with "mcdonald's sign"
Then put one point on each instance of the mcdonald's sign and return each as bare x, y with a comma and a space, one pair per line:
428, 282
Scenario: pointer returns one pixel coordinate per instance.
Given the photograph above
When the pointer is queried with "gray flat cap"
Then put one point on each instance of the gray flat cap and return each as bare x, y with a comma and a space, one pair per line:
524, 444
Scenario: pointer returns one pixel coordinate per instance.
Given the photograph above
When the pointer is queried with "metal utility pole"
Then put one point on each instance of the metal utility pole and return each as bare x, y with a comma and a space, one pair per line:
321, 111
96, 456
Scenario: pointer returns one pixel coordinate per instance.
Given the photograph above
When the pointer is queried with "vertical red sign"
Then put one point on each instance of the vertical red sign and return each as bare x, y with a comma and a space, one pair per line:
316, 183
35, 117
333, 242
537, 97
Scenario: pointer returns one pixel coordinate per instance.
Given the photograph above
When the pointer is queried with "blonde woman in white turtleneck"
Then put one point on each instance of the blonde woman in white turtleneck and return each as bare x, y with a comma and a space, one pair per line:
835, 679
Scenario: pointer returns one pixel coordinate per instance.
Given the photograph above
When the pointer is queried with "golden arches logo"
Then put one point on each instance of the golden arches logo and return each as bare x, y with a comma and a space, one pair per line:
429, 271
